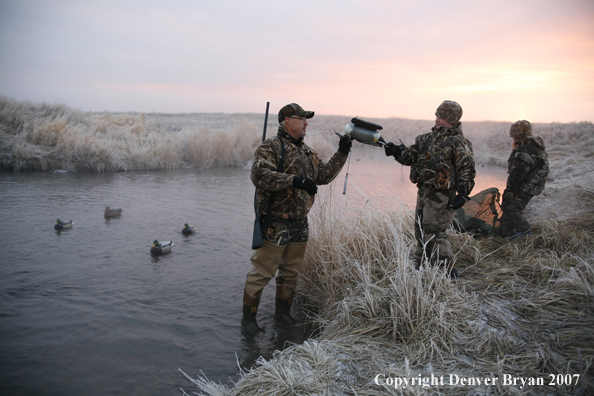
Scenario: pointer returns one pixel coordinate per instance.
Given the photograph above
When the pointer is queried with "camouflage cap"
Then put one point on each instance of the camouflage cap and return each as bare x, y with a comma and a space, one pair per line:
293, 109
450, 111
520, 129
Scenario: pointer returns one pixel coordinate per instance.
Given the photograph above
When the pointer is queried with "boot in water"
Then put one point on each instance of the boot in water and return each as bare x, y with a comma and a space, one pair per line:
283, 311
248, 322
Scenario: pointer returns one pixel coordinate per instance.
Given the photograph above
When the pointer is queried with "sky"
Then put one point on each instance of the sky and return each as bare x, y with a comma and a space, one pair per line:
501, 60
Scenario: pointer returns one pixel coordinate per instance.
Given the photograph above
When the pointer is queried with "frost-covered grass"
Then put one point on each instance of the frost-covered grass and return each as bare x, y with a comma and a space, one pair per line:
39, 136
44, 137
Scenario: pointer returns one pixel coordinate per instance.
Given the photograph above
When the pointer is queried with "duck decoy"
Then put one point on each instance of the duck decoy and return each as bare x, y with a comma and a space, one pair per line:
108, 212
61, 225
161, 247
187, 230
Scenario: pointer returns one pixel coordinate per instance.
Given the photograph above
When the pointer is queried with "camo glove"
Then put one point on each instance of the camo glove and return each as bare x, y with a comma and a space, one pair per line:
460, 199
303, 183
345, 144
392, 150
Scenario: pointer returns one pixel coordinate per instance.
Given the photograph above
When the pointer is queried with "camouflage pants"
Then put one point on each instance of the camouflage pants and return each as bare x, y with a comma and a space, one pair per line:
432, 219
283, 251
512, 219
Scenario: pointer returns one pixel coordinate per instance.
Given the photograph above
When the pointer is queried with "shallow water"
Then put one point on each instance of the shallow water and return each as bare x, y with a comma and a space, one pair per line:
90, 311
383, 181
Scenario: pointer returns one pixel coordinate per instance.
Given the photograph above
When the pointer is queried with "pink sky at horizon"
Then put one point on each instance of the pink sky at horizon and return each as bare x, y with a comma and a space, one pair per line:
501, 60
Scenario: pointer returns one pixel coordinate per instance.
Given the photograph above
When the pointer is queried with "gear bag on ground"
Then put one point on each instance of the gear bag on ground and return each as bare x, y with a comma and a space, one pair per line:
481, 215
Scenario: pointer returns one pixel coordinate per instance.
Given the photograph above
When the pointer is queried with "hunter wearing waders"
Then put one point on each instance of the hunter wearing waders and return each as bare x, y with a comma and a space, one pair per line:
286, 173
442, 167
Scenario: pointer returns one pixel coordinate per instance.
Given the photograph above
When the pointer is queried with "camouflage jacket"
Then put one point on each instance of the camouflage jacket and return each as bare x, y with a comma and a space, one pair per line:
300, 160
441, 159
528, 166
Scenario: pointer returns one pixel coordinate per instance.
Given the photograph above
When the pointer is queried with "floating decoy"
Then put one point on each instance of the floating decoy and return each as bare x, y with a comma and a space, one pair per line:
108, 212
161, 247
61, 225
187, 230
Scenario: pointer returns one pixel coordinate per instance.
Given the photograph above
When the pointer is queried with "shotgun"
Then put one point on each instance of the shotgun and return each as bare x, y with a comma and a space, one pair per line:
257, 237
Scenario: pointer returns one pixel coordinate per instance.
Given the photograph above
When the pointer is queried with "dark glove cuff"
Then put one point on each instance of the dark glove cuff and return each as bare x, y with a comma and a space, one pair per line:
345, 144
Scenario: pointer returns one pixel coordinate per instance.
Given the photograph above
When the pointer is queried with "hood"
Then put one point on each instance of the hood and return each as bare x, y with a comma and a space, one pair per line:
536, 141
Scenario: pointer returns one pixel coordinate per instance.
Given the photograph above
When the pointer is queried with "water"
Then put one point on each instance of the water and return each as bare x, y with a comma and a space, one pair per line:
373, 177
90, 311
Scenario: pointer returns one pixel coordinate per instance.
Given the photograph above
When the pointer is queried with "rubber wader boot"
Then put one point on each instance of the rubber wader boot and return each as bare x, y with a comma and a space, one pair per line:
283, 311
250, 310
248, 322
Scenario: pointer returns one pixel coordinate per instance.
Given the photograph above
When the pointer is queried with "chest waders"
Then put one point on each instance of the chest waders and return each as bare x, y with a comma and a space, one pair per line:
266, 261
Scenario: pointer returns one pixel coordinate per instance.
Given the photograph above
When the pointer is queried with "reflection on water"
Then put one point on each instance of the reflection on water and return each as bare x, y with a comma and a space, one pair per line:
385, 182
90, 311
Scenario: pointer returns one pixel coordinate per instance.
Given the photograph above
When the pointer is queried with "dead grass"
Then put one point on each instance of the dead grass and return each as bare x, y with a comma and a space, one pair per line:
522, 308
38, 136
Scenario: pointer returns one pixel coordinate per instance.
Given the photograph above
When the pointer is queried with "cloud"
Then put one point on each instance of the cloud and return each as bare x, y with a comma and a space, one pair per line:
379, 58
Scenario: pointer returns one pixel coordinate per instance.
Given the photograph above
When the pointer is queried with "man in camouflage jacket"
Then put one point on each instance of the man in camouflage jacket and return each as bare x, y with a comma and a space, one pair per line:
442, 167
293, 189
528, 167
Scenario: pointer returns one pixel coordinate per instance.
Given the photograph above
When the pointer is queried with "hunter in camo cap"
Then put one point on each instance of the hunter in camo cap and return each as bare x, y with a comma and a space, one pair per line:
527, 169
520, 129
291, 110
286, 173
442, 166
450, 111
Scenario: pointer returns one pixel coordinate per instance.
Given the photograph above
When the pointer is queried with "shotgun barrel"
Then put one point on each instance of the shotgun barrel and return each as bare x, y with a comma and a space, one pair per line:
257, 236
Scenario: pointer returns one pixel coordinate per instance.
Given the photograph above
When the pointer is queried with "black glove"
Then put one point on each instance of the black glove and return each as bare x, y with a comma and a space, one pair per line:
345, 144
460, 199
393, 150
306, 184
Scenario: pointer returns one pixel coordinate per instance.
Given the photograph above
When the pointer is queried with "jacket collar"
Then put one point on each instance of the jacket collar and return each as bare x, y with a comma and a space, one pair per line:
283, 133
447, 131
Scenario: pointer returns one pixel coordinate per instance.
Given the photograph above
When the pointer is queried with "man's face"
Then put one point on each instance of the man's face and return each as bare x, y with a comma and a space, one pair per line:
441, 123
295, 126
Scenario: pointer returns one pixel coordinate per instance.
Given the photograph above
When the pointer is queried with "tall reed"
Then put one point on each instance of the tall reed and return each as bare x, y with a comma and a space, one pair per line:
42, 137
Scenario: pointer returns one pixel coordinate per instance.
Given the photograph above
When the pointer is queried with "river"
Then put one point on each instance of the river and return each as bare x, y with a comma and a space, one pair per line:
90, 311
